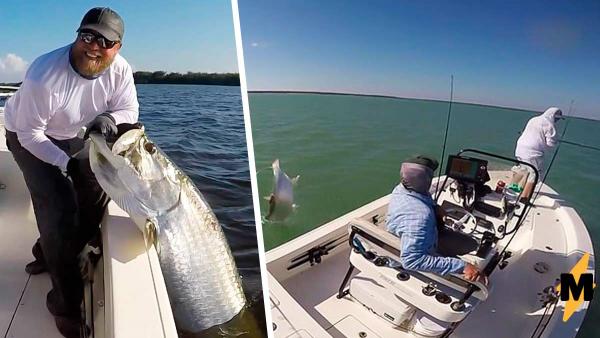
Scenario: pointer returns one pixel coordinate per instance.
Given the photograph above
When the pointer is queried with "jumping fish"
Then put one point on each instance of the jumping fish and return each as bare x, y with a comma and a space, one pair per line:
202, 280
281, 201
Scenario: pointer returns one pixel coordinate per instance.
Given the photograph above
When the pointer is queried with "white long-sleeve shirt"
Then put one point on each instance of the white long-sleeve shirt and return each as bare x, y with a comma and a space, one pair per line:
538, 136
56, 101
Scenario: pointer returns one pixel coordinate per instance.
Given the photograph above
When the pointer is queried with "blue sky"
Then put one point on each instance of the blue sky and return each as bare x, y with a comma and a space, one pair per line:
175, 36
525, 54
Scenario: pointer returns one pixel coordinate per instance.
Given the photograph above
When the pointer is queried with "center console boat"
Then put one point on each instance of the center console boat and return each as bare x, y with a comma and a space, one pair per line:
344, 279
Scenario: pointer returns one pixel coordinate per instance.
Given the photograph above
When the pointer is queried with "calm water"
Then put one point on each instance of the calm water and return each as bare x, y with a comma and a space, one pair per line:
201, 128
348, 150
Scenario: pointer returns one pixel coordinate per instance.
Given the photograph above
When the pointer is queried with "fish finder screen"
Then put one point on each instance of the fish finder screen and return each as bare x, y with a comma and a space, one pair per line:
462, 168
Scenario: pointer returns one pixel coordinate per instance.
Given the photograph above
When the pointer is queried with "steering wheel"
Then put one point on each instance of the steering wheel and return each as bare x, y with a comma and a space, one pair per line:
467, 223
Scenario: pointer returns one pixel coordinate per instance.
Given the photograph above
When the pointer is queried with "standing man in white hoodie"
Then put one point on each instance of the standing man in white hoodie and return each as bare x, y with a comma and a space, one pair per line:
86, 83
539, 136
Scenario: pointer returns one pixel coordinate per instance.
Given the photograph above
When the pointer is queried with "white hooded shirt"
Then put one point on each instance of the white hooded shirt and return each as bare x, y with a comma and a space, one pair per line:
55, 101
538, 136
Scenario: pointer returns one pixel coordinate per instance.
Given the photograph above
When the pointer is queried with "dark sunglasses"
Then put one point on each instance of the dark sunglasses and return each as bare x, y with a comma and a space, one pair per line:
89, 37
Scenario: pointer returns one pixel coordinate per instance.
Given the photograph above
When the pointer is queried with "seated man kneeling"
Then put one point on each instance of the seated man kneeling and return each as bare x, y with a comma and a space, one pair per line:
412, 216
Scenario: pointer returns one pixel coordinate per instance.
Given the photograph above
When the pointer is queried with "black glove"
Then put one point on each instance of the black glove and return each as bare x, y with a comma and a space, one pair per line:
104, 124
125, 127
73, 168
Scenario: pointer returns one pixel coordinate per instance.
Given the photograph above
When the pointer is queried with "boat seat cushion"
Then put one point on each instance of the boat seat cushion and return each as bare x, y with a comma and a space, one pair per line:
393, 242
384, 243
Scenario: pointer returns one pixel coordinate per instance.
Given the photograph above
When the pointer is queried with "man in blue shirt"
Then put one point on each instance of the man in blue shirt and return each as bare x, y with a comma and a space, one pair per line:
412, 216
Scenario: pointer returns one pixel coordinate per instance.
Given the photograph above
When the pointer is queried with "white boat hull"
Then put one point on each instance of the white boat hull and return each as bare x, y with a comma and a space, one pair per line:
304, 302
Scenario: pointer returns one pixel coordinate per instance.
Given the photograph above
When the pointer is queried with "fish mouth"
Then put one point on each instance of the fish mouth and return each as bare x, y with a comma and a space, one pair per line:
142, 156
126, 142
135, 174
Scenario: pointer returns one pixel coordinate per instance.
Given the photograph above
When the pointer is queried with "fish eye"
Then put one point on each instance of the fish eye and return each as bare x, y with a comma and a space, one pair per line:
150, 147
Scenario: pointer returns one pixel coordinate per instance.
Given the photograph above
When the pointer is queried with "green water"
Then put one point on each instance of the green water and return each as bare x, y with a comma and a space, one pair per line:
348, 150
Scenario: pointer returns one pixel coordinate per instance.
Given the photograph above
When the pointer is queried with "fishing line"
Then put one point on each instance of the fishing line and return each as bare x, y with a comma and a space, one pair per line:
576, 144
445, 139
580, 145
263, 169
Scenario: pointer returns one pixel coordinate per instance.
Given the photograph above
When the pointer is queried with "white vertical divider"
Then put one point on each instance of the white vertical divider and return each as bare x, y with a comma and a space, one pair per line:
251, 162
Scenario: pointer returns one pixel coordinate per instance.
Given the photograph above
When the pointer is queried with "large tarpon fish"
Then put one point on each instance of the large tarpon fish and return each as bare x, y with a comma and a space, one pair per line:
202, 280
281, 201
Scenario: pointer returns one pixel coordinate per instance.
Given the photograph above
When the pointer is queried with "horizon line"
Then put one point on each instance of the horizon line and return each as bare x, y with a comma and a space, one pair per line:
400, 97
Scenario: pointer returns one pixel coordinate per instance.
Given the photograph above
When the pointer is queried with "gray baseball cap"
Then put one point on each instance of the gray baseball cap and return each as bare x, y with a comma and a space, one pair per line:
104, 21
423, 160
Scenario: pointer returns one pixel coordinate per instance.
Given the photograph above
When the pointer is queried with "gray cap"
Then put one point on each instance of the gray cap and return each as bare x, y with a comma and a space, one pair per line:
104, 21
423, 160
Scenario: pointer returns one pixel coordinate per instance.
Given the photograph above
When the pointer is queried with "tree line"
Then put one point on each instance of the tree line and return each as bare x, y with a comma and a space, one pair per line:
161, 77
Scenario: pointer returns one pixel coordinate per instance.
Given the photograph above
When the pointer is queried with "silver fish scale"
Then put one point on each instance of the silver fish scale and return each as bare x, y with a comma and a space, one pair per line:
200, 274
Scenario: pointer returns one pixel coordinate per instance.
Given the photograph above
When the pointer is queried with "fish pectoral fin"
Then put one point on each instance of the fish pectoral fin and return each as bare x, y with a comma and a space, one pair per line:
151, 234
271, 209
295, 180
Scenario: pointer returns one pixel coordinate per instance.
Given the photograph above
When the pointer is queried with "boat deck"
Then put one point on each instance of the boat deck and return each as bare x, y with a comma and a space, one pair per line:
339, 317
22, 297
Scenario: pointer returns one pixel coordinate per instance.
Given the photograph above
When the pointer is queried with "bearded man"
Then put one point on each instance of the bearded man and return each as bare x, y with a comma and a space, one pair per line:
86, 83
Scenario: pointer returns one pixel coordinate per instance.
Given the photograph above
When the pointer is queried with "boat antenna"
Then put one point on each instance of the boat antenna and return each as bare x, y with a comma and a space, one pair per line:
437, 194
562, 135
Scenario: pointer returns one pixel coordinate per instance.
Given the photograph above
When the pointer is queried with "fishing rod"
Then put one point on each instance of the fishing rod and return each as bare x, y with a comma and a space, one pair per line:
575, 144
437, 194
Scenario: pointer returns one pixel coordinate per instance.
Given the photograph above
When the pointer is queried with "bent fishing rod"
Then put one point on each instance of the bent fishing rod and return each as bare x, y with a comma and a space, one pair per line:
438, 193
581, 145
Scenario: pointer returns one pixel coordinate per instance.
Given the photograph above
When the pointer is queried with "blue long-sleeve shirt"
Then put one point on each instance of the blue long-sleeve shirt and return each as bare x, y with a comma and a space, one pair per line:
411, 216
